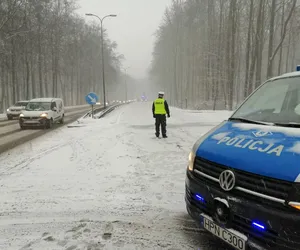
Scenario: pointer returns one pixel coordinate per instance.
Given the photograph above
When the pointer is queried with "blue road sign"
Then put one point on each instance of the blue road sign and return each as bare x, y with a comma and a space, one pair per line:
91, 98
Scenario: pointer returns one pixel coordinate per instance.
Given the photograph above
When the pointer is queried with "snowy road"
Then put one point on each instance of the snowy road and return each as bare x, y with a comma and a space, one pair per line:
108, 185
3, 117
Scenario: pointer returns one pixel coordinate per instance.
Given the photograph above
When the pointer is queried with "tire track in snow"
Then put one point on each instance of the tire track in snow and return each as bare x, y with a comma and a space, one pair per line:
169, 231
26, 153
146, 173
23, 164
119, 117
117, 234
160, 172
148, 211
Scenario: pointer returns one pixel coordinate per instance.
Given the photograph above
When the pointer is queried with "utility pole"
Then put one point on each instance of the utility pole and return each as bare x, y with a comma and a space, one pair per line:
102, 52
125, 83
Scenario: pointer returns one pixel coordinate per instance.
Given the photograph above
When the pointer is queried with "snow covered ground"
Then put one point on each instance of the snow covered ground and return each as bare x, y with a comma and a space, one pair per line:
107, 185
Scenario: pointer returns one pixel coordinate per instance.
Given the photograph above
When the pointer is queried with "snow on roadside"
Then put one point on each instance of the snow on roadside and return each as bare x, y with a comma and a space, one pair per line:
108, 185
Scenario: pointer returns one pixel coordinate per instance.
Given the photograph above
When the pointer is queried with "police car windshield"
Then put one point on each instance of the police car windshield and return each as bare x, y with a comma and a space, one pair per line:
276, 102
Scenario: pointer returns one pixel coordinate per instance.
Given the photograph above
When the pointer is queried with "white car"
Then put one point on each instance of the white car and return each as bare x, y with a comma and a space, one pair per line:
16, 110
42, 112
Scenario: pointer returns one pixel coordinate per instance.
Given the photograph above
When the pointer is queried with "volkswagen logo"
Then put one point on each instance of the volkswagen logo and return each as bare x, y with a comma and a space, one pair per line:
227, 180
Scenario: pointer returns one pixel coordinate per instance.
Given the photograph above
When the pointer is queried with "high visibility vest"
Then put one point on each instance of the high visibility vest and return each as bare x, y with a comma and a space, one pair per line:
159, 105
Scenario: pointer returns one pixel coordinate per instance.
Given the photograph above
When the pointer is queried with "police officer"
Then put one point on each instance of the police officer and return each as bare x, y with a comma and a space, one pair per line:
160, 108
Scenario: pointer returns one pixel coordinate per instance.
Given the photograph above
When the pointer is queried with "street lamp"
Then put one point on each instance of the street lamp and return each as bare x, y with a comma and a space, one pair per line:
125, 69
102, 50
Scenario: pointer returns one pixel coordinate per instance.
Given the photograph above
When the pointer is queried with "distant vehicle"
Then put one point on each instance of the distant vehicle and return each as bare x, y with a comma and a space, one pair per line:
243, 176
143, 98
16, 110
42, 112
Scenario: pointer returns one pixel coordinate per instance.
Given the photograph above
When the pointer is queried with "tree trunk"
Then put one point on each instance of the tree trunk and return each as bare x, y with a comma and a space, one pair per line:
271, 38
248, 48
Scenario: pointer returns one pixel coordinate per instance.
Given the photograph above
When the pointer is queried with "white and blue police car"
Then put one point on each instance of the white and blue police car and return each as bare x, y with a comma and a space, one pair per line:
243, 177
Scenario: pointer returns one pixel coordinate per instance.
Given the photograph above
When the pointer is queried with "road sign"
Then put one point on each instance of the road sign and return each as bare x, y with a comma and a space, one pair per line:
91, 98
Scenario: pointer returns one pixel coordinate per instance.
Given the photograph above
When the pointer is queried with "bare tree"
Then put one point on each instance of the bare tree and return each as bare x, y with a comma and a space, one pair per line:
46, 49
213, 53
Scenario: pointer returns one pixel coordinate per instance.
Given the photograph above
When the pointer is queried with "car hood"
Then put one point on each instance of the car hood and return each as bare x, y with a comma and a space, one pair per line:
33, 113
17, 107
265, 150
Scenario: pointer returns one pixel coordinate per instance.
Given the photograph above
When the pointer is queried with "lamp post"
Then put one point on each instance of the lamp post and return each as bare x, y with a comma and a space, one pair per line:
125, 69
102, 50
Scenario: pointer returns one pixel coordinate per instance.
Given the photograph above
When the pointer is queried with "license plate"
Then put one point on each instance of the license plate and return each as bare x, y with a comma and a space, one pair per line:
31, 122
224, 234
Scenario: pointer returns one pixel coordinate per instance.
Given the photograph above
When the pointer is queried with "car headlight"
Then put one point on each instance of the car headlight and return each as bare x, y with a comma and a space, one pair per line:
294, 205
21, 115
191, 161
7, 110
44, 115
294, 196
192, 155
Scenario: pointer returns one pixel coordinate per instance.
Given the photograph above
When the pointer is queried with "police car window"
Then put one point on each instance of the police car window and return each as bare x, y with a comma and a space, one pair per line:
269, 96
274, 102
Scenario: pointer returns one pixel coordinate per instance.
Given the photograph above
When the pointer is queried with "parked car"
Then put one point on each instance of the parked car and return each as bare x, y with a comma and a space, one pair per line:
243, 177
42, 112
16, 109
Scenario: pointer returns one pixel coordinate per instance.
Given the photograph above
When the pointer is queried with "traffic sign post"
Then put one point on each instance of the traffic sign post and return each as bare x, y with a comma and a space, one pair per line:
91, 99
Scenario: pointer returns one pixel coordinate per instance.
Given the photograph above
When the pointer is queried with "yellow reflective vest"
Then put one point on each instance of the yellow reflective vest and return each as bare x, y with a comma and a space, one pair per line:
159, 106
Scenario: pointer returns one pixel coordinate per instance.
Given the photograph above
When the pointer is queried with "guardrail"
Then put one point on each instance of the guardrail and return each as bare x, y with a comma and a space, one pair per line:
102, 111
95, 111
108, 110
98, 113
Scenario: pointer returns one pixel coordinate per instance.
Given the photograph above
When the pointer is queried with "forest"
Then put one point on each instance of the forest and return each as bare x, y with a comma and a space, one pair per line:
214, 53
46, 50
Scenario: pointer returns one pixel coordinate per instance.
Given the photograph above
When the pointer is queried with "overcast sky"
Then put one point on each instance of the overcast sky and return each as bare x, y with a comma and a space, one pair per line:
133, 29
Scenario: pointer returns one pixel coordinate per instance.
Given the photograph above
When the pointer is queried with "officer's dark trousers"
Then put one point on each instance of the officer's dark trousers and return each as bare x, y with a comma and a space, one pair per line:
160, 120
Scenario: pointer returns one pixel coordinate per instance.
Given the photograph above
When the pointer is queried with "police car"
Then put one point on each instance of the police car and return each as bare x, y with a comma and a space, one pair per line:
243, 176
